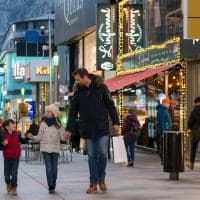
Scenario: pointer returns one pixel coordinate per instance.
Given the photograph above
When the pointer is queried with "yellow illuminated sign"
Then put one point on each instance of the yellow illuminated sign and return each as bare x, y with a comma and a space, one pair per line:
193, 26
42, 70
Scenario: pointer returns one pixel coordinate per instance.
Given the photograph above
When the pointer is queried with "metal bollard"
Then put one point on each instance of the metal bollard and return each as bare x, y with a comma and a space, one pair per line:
173, 153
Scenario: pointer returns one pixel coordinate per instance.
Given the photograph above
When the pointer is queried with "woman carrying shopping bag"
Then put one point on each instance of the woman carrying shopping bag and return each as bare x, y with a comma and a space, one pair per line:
50, 134
130, 129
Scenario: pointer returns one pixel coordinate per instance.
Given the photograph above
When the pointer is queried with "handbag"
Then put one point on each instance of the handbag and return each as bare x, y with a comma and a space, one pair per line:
119, 149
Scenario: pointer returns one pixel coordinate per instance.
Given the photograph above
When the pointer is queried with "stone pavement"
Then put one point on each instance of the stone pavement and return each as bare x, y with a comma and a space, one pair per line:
145, 181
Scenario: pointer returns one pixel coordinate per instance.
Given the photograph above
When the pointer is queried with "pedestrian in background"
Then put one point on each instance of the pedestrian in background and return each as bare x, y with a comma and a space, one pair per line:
194, 125
130, 124
93, 103
49, 136
164, 123
11, 153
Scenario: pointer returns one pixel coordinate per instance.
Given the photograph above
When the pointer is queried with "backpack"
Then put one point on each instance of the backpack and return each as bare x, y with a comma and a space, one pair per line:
135, 129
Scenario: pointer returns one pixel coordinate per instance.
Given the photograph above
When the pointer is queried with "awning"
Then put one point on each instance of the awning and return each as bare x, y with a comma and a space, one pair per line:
119, 82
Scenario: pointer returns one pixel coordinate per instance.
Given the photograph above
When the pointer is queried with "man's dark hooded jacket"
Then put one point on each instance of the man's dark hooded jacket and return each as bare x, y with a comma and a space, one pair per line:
93, 105
194, 123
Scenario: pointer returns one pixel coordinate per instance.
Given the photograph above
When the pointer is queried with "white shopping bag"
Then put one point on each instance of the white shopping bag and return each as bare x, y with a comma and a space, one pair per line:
120, 155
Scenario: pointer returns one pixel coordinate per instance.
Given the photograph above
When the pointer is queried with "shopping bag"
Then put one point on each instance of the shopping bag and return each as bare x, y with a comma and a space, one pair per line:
120, 155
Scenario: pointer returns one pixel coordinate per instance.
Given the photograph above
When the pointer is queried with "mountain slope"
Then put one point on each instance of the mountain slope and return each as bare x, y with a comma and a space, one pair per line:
16, 10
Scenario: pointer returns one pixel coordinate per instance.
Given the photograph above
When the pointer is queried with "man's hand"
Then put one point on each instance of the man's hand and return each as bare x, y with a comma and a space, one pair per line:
67, 136
5, 142
30, 136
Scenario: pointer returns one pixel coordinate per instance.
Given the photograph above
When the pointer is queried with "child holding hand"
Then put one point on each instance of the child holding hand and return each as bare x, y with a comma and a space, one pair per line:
11, 152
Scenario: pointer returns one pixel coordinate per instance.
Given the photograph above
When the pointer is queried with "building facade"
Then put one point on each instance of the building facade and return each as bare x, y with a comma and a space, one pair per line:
21, 47
150, 64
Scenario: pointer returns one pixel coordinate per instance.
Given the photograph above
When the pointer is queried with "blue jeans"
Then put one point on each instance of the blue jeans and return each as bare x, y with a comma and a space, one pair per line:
97, 158
130, 148
51, 164
11, 171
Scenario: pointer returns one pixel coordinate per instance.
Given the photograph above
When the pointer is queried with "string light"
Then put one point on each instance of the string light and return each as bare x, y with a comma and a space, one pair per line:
121, 56
120, 71
121, 106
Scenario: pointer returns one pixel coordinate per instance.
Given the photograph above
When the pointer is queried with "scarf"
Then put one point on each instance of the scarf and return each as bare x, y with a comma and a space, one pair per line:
50, 121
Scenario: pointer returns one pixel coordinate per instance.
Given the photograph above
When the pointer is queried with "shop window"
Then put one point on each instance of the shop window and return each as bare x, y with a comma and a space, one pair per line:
144, 97
43, 23
163, 20
90, 52
21, 26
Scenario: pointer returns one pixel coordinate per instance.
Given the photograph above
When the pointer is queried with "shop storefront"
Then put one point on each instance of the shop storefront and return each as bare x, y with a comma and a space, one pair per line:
144, 78
75, 27
147, 75
14, 88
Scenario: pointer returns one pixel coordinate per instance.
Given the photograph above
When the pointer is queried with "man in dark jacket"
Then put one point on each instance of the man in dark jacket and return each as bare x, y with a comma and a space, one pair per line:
93, 103
164, 123
194, 125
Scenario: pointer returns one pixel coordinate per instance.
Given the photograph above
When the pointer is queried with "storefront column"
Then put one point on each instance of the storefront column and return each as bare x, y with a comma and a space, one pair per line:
166, 84
121, 105
37, 101
183, 103
182, 78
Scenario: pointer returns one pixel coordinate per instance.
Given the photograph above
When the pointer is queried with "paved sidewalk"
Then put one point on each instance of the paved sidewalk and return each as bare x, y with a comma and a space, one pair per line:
145, 181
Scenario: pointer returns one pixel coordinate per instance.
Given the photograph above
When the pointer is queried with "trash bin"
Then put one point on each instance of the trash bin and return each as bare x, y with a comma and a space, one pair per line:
173, 153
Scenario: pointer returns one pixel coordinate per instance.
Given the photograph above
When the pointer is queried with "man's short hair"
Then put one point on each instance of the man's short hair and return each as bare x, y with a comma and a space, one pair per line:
81, 72
197, 100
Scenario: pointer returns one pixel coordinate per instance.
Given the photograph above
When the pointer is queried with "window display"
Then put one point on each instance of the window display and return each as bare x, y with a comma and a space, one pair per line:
144, 97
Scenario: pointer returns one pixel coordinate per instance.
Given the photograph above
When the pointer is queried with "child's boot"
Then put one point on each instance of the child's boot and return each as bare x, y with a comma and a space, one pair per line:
190, 165
14, 191
8, 188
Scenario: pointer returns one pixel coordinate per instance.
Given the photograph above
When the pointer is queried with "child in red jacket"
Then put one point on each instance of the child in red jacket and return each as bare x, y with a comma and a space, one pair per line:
11, 153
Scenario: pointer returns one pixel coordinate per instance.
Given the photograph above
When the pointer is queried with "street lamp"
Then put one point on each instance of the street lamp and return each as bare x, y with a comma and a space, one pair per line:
44, 48
50, 64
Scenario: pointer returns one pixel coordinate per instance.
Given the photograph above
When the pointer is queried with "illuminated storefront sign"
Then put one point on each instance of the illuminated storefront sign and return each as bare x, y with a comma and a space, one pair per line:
38, 71
31, 109
191, 24
150, 57
18, 71
106, 36
42, 70
133, 27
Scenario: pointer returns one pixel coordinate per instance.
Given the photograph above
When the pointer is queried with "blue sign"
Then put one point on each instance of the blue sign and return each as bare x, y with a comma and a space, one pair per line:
32, 36
31, 109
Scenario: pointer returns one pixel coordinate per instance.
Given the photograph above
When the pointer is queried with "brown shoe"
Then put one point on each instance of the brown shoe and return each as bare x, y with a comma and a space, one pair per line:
92, 189
190, 165
14, 191
102, 186
8, 188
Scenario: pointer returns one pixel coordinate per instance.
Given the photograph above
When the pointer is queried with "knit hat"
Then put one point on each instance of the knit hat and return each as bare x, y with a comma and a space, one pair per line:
54, 108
